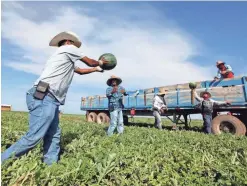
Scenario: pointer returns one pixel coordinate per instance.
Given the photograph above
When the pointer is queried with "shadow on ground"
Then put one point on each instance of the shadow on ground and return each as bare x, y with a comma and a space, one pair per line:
180, 127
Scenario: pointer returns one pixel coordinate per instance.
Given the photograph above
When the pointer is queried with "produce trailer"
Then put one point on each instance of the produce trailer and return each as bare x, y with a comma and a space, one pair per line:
180, 101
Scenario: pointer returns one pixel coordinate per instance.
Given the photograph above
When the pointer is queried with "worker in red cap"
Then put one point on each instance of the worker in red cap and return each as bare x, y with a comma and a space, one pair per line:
224, 71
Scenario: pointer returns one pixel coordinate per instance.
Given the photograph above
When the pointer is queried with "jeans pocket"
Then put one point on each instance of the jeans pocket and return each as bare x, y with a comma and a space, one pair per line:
34, 106
37, 108
30, 101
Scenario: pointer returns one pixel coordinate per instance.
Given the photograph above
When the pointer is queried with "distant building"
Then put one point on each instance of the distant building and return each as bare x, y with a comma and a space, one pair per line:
5, 107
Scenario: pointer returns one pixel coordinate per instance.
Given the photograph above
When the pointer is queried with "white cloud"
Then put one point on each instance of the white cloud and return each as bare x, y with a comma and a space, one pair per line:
151, 52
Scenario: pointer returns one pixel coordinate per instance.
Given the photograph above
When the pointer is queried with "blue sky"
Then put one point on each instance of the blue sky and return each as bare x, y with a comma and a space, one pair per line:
156, 43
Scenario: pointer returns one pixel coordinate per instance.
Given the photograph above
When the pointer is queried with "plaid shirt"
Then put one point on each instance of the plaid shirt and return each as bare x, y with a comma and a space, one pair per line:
115, 99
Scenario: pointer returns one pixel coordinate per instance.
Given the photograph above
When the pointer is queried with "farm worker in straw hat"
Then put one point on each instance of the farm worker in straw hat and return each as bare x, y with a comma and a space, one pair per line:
115, 95
159, 107
48, 93
206, 105
224, 71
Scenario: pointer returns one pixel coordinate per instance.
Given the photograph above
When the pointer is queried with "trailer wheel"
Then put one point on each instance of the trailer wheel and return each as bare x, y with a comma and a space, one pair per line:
228, 124
102, 118
107, 119
92, 117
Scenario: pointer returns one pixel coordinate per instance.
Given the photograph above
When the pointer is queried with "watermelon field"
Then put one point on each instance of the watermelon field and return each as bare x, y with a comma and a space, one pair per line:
143, 155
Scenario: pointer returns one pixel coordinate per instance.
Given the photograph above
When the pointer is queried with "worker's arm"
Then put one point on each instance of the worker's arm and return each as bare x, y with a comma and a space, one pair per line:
220, 103
156, 103
83, 71
122, 90
110, 91
76, 54
163, 107
228, 68
197, 97
218, 76
93, 63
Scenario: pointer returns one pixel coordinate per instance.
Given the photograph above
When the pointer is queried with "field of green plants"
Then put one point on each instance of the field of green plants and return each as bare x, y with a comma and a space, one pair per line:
143, 155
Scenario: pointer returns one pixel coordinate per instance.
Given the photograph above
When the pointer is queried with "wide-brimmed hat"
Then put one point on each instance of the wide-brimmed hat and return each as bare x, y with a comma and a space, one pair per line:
109, 81
205, 92
162, 91
66, 36
219, 63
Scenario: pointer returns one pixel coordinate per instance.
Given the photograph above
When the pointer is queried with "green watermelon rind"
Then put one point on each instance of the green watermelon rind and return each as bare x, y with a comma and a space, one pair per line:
192, 85
111, 58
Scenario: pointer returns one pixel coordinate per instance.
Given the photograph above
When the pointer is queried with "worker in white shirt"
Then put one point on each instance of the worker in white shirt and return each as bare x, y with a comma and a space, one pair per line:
159, 107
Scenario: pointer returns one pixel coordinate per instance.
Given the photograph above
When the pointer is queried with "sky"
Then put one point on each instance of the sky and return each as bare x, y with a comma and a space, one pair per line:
156, 43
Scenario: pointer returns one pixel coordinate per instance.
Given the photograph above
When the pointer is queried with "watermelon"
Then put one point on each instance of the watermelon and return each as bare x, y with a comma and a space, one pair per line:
111, 59
192, 85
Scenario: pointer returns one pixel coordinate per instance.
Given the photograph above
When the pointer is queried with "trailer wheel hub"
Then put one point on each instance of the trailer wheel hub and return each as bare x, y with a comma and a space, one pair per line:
227, 127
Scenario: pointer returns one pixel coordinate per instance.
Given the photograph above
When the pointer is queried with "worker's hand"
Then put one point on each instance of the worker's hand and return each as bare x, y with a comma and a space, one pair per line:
102, 61
164, 109
98, 69
216, 79
223, 72
228, 102
115, 89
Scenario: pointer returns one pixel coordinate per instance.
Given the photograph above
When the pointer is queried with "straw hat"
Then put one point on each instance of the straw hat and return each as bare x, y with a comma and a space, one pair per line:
109, 81
65, 36
205, 92
162, 91
219, 63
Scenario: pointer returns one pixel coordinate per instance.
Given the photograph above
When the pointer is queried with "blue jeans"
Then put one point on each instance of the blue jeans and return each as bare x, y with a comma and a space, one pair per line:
43, 124
207, 124
116, 121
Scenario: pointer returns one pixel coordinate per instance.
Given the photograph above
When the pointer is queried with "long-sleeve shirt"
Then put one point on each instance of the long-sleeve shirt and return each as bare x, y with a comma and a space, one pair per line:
228, 69
158, 103
208, 104
115, 100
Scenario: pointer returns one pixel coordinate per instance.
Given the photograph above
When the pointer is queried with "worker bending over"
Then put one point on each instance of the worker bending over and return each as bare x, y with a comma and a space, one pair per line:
159, 107
224, 71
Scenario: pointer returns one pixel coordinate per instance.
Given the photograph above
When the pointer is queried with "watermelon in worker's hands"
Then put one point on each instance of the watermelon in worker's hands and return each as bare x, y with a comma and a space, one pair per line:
192, 85
111, 59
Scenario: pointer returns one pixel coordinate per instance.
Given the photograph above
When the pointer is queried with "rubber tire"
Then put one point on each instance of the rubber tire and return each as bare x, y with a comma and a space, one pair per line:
102, 118
108, 119
92, 117
239, 125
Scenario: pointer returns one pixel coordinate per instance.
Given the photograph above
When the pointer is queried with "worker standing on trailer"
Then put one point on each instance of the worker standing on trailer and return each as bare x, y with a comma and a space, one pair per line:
159, 107
115, 95
224, 71
48, 93
206, 106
